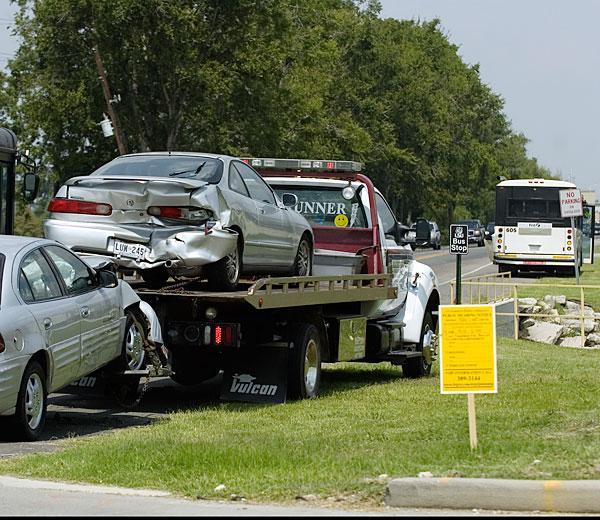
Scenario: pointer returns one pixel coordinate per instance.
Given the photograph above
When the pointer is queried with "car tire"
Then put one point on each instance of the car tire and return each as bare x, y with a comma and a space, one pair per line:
481, 243
304, 368
304, 259
133, 355
224, 275
30, 416
421, 366
156, 276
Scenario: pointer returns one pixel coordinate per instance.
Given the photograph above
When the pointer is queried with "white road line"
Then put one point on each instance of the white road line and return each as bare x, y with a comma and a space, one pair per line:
466, 274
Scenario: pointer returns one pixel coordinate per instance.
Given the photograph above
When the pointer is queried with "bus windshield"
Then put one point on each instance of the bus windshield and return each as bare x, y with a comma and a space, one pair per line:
516, 204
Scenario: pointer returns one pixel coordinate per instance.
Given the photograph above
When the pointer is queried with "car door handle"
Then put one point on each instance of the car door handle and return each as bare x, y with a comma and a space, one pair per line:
85, 312
47, 323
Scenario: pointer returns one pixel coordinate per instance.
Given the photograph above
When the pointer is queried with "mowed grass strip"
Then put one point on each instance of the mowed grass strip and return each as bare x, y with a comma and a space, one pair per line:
543, 424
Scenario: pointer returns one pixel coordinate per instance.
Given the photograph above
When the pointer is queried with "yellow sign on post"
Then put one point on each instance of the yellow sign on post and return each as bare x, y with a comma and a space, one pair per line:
467, 349
468, 354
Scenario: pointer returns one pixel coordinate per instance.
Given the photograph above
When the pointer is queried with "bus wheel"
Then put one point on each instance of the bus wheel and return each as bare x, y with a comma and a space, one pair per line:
304, 368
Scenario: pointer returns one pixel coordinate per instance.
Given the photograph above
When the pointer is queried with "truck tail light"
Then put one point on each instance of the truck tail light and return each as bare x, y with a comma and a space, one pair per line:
2, 344
82, 207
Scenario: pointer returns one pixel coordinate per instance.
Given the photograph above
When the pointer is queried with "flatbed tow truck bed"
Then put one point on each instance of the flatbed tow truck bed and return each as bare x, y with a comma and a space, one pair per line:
275, 293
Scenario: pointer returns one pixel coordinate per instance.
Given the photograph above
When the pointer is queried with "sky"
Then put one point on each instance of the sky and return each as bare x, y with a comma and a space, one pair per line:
541, 56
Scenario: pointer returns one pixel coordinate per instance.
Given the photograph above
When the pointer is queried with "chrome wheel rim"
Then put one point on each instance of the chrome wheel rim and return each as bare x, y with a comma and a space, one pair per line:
134, 348
232, 267
34, 401
311, 367
303, 259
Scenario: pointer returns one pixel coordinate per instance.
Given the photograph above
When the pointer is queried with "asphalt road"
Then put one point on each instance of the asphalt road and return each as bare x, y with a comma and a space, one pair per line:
475, 263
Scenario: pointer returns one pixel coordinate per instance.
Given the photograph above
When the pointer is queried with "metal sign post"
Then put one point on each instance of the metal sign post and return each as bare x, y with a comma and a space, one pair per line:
571, 206
459, 245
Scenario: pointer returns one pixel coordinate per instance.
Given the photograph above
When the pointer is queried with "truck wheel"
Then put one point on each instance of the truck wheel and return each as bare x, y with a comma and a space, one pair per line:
303, 260
304, 373
421, 366
224, 275
191, 370
155, 276
30, 416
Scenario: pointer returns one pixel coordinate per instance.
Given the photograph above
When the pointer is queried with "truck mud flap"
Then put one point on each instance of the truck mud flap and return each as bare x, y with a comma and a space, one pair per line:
92, 384
257, 376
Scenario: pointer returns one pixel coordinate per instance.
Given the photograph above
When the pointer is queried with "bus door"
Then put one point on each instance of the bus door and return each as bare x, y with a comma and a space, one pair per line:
8, 154
587, 235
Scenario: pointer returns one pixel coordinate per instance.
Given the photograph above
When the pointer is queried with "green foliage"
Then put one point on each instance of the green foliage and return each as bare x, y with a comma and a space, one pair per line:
318, 78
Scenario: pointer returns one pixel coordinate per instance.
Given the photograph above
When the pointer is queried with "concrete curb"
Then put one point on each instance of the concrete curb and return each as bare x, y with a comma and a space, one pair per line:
569, 496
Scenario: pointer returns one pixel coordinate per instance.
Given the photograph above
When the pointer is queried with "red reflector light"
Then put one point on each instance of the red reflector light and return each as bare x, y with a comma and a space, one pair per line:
330, 165
569, 230
246, 161
229, 336
61, 205
218, 335
2, 344
166, 211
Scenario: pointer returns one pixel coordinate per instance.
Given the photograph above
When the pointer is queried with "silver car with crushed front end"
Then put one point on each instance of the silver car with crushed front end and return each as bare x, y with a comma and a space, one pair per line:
60, 320
182, 214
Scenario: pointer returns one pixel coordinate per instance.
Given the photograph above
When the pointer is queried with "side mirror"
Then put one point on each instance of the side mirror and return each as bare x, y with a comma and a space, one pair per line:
289, 200
31, 184
108, 279
423, 233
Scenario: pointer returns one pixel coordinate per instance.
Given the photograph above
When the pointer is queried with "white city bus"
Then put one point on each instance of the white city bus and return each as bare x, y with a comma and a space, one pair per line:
529, 233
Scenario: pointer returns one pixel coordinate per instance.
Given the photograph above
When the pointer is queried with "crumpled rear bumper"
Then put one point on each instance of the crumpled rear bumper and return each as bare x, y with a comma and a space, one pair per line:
177, 246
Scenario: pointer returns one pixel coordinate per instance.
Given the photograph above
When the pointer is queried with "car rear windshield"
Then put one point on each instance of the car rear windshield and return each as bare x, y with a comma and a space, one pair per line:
326, 206
205, 169
471, 224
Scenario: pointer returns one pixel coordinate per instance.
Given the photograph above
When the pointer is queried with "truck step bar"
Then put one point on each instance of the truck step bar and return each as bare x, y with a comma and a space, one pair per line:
398, 357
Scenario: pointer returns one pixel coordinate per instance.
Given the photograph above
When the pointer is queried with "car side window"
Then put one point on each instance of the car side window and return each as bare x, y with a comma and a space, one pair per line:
236, 183
75, 273
387, 217
37, 281
259, 190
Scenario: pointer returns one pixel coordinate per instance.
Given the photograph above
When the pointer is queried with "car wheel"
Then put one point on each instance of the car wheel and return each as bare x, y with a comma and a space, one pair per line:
30, 415
155, 276
134, 355
421, 366
224, 275
304, 372
303, 260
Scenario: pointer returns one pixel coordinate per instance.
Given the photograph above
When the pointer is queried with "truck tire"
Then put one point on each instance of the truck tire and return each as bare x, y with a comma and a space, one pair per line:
304, 369
191, 370
224, 275
419, 367
30, 416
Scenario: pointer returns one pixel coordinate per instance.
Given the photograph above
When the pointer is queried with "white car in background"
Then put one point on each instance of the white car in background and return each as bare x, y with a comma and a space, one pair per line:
60, 320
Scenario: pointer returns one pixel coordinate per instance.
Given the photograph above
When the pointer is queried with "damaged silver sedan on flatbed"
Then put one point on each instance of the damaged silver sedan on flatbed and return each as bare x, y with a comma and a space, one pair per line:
182, 214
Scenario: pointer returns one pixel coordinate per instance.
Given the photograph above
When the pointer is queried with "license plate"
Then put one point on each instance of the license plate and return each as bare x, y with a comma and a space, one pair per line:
130, 250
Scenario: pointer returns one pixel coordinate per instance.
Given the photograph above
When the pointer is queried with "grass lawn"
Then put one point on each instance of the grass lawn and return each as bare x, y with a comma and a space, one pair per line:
544, 423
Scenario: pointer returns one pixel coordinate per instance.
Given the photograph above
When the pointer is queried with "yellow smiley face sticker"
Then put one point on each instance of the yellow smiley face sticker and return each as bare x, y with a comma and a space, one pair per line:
341, 220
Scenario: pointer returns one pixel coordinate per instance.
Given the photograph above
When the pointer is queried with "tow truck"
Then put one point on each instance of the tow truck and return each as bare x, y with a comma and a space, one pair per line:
367, 300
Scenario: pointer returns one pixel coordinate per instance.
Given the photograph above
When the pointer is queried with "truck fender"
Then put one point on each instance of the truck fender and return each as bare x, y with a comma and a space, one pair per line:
423, 295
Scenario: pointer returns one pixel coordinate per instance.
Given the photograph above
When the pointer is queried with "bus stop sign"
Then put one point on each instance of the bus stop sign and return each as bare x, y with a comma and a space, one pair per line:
459, 239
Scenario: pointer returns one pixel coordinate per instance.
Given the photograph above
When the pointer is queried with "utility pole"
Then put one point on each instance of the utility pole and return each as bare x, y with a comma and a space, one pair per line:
111, 112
